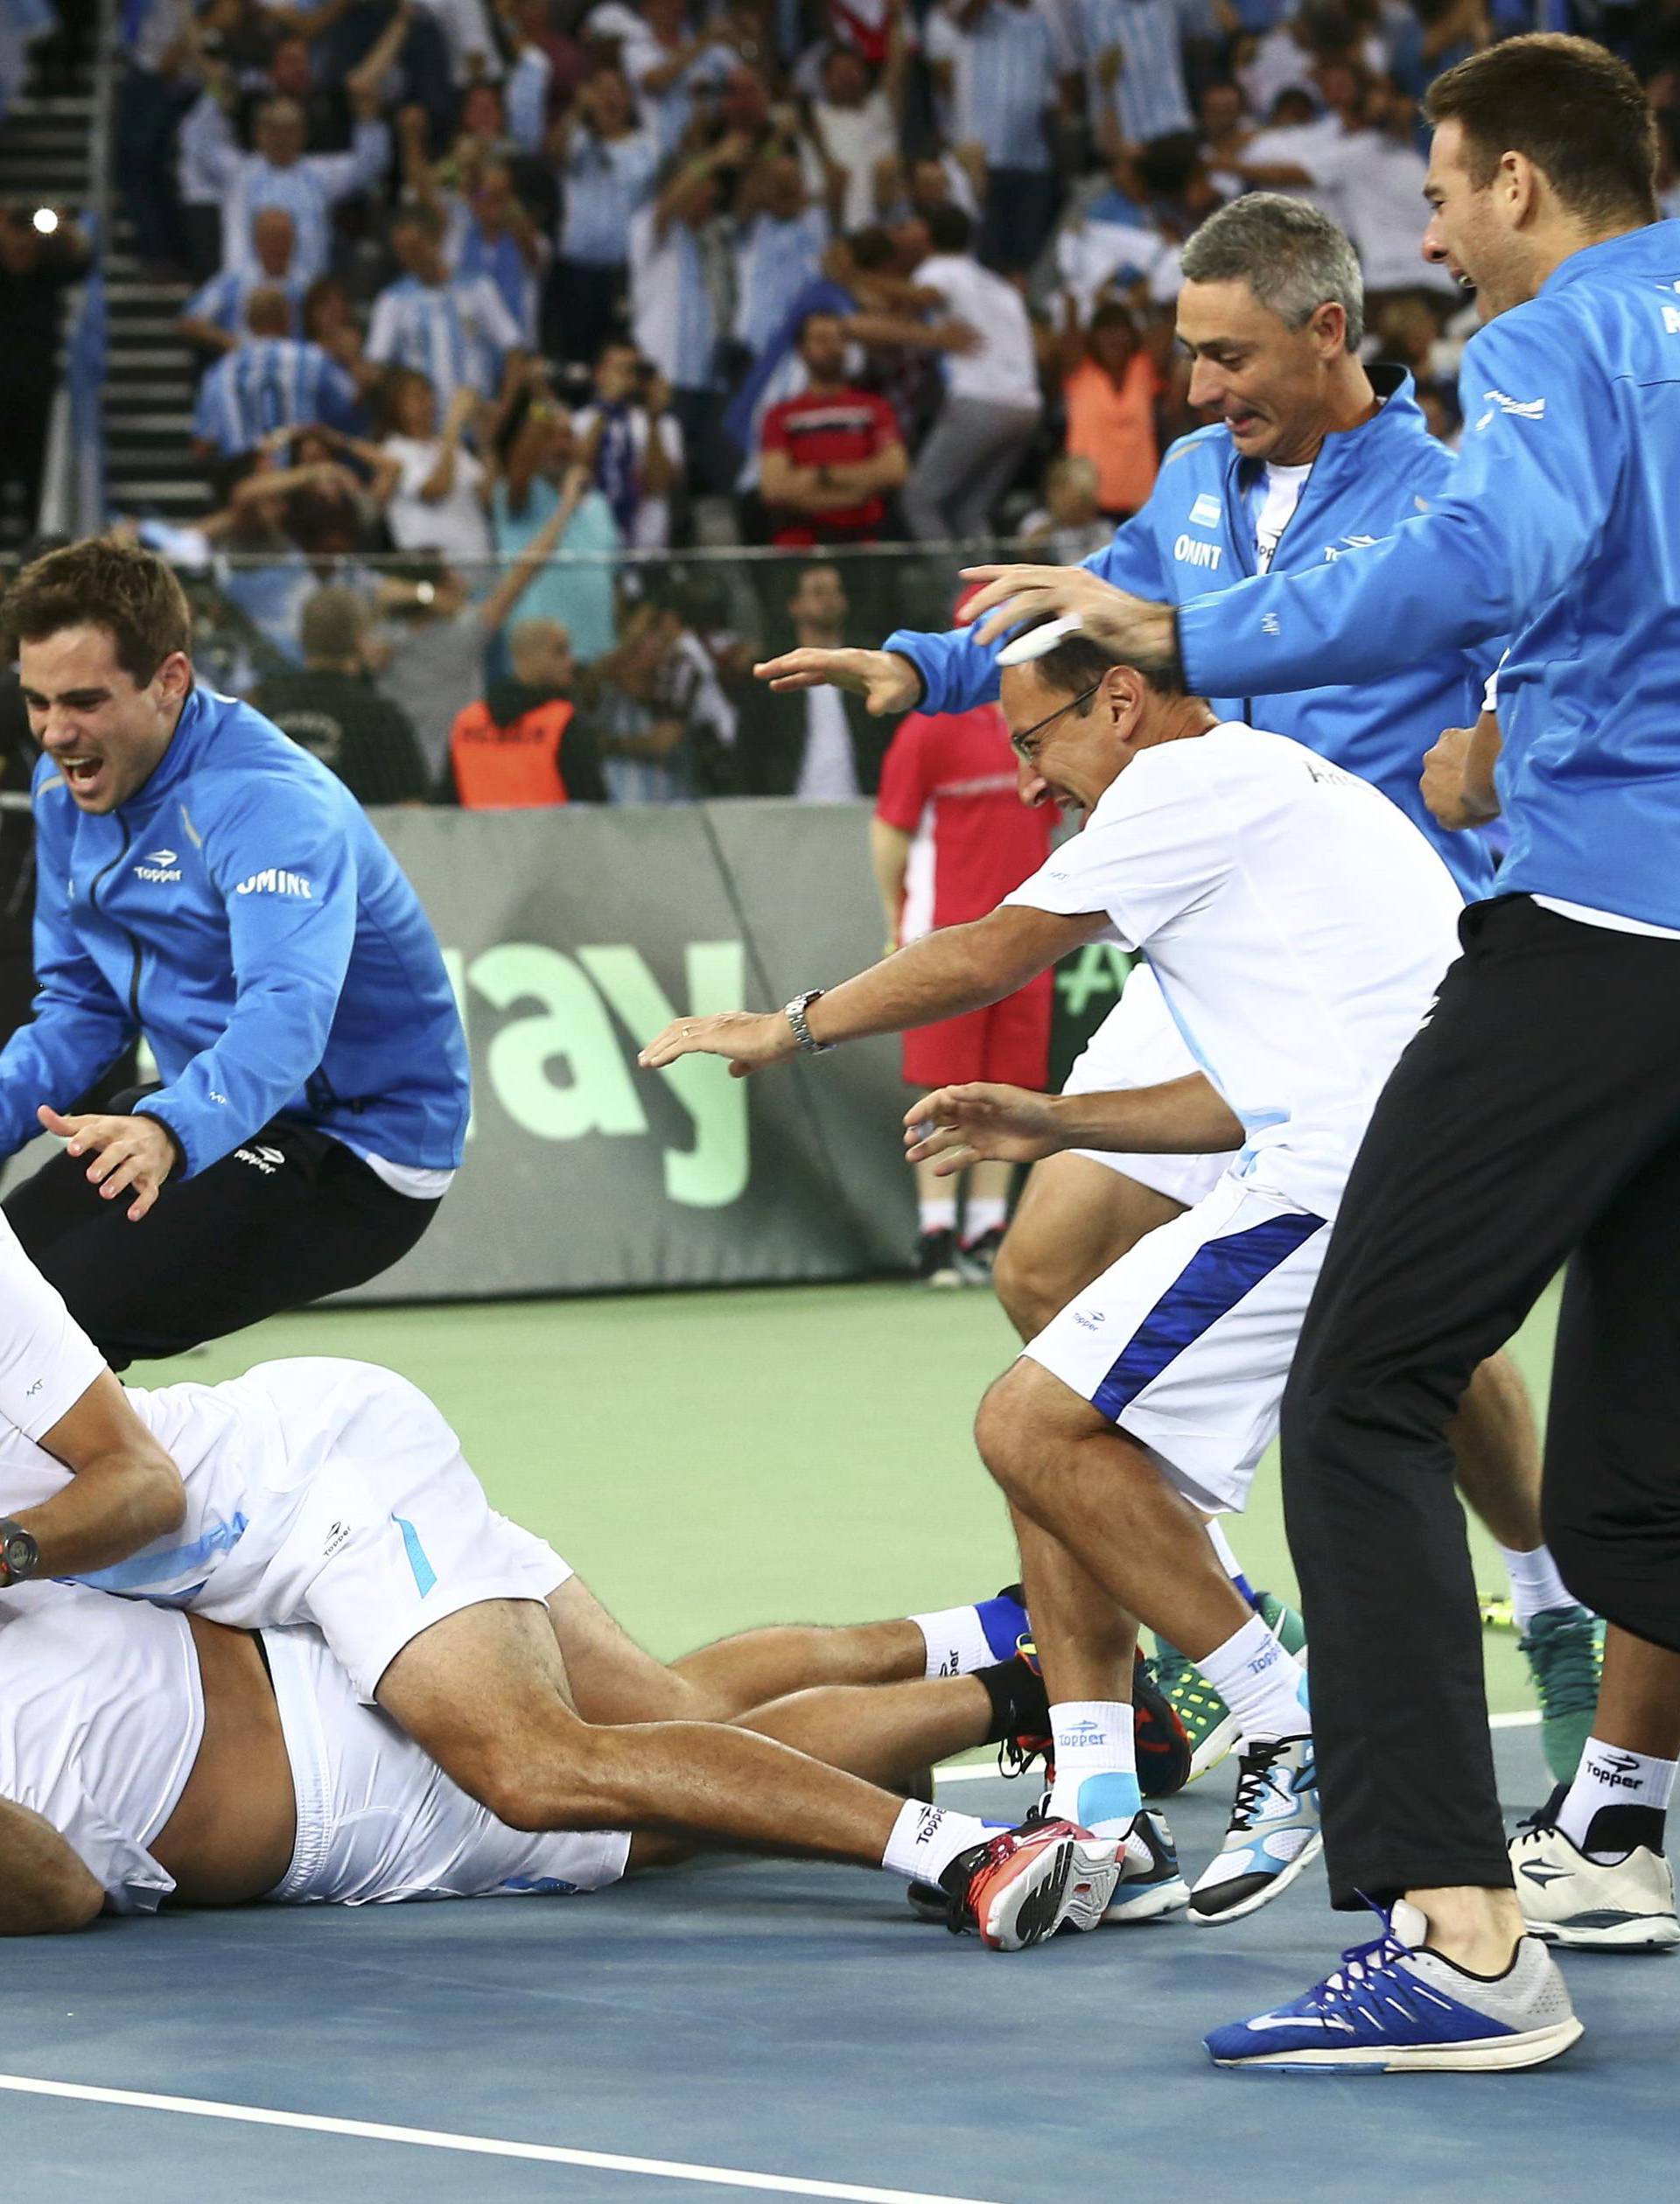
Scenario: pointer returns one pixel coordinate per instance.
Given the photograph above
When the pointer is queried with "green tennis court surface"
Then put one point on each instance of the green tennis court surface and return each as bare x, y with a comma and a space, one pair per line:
712, 1461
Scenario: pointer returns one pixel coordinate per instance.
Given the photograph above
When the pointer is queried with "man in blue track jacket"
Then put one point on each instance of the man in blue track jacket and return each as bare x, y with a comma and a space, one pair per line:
1534, 1119
204, 882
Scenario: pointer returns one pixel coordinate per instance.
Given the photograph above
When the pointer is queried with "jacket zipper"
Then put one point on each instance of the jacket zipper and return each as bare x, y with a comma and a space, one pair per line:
94, 887
1241, 537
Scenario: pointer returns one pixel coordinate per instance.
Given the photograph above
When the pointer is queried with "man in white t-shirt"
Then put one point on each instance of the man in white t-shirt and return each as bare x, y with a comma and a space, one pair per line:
149, 1756
992, 402
1295, 925
333, 1494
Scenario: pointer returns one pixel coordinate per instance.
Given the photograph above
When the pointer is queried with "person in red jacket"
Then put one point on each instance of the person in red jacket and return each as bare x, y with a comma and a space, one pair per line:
950, 839
520, 745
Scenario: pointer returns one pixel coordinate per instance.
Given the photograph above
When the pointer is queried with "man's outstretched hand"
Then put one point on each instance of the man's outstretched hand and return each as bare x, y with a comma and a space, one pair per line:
885, 681
1138, 633
962, 1125
128, 1152
749, 1038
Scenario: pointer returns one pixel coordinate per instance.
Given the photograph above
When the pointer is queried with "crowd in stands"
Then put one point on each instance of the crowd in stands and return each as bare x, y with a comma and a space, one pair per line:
529, 292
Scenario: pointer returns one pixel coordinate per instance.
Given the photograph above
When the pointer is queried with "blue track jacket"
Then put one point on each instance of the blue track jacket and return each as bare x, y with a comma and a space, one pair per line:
239, 911
1560, 526
1196, 533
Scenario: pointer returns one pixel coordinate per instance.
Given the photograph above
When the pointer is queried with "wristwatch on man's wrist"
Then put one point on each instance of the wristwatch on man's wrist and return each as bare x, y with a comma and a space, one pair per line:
794, 1014
18, 1552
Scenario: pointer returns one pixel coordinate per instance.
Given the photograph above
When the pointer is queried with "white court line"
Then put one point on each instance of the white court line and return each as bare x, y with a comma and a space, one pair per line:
979, 1774
478, 2146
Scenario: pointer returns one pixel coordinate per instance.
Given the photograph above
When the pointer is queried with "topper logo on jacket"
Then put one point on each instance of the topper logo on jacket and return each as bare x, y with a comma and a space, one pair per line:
159, 864
275, 882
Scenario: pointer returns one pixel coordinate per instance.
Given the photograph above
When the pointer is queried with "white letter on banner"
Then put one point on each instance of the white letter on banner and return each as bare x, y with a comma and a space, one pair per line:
714, 1171
573, 1025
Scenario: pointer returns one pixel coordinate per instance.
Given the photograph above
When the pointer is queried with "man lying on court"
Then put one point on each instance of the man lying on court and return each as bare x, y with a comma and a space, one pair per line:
1298, 924
150, 1757
333, 1494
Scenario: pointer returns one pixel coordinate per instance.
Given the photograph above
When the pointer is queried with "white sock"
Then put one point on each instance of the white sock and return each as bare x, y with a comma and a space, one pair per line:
1610, 1775
1260, 1684
956, 1642
926, 1839
937, 1213
1536, 1587
1096, 1765
982, 1214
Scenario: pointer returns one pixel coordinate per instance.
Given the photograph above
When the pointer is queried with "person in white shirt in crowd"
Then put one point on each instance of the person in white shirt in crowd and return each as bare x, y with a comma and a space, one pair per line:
213, 318
474, 56
905, 190
667, 63
780, 239
855, 120
455, 329
632, 443
1131, 52
821, 746
438, 503
673, 310
279, 173
1070, 525
605, 161
1006, 66
992, 403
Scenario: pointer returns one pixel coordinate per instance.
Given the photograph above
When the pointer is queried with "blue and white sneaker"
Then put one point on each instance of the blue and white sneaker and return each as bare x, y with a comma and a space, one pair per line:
1150, 1883
1273, 1832
1393, 2005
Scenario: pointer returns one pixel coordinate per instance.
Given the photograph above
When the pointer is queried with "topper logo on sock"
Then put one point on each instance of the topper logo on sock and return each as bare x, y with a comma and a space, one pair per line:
1267, 1657
1615, 1773
1081, 1733
928, 1824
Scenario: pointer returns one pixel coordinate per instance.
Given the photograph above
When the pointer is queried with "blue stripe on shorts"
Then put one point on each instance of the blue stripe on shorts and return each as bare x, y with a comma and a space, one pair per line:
1210, 1286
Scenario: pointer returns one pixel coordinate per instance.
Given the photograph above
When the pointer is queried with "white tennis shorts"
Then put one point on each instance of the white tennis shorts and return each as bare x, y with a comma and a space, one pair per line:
1186, 1341
392, 1531
378, 1822
1137, 1045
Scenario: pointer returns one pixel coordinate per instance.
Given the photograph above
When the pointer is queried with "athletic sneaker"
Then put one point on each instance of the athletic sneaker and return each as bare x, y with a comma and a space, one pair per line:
1162, 1751
1026, 1883
975, 1257
1150, 1883
1208, 1723
936, 1259
1273, 1833
1394, 2005
1621, 1905
1564, 1651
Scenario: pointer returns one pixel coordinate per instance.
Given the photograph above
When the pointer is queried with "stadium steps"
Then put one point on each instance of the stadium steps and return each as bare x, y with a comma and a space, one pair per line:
43, 149
150, 379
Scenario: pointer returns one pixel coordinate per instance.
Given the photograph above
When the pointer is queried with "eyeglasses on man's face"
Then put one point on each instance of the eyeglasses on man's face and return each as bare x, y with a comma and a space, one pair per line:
1022, 743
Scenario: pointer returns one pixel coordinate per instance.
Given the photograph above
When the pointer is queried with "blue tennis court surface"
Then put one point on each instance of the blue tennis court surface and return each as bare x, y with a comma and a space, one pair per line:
790, 2022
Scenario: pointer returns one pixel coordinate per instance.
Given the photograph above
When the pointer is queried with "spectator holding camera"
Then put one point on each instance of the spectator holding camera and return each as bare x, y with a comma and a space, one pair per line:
632, 443
665, 727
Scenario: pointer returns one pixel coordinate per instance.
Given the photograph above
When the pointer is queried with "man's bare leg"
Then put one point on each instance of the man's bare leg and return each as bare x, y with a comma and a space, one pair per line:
887, 1733
1074, 1219
1496, 1448
750, 1669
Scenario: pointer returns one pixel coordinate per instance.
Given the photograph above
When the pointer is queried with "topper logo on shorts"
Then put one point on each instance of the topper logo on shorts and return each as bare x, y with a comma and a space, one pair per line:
274, 881
158, 864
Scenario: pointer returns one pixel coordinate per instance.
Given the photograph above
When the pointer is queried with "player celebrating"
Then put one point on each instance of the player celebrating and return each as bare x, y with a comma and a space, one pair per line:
1297, 923
334, 1493
206, 884
150, 1757
1533, 1119
1312, 453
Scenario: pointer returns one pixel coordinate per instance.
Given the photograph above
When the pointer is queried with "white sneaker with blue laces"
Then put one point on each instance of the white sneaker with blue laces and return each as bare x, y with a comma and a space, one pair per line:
1272, 1835
1393, 2005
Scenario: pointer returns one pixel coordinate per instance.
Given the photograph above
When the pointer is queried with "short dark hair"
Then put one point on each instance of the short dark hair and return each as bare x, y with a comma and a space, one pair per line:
119, 587
817, 313
1569, 107
949, 229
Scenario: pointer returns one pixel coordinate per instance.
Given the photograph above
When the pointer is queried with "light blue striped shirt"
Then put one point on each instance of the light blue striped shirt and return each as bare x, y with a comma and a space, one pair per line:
500, 259
774, 262
672, 315
273, 382
454, 334
1005, 71
307, 191
1148, 100
222, 300
605, 183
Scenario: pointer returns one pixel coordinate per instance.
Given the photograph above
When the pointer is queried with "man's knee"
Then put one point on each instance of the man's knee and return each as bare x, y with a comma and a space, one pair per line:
1025, 1278
554, 1780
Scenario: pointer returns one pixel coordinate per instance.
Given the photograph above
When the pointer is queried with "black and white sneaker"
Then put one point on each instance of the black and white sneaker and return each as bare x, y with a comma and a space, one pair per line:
936, 1259
1592, 1905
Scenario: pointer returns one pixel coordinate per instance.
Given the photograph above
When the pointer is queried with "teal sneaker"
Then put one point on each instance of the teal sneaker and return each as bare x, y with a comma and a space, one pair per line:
1209, 1726
1564, 1650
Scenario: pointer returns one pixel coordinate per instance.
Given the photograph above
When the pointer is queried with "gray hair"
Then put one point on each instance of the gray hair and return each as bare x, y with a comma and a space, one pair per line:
1292, 258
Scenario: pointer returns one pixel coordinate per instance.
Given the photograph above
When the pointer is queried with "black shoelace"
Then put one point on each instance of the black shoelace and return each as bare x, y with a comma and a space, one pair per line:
1255, 1780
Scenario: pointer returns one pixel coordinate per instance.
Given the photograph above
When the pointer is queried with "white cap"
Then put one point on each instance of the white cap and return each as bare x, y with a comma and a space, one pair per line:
1038, 642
